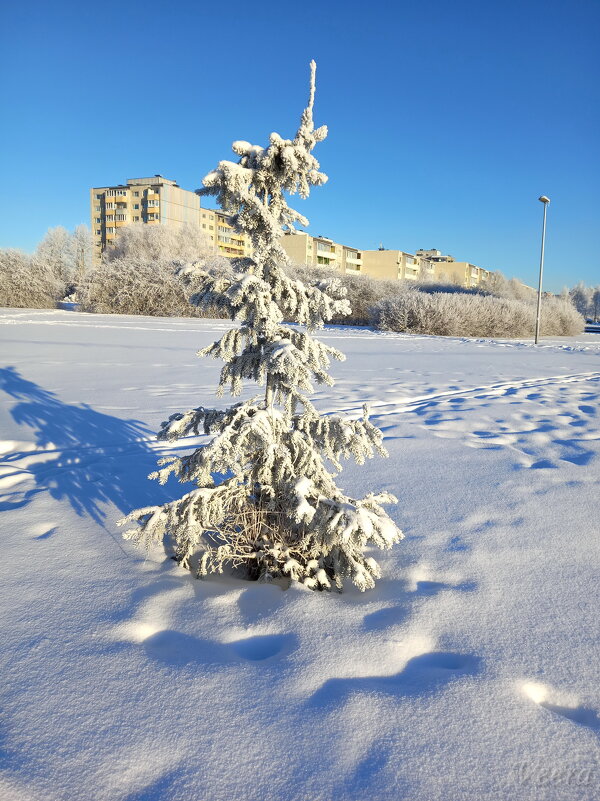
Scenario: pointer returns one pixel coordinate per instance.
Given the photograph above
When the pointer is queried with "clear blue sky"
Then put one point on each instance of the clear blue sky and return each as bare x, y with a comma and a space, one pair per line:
446, 120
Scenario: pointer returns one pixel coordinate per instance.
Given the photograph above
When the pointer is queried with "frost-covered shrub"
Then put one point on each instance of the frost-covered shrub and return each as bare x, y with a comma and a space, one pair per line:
263, 497
560, 318
362, 291
138, 274
512, 289
26, 283
133, 286
448, 289
136, 286
466, 315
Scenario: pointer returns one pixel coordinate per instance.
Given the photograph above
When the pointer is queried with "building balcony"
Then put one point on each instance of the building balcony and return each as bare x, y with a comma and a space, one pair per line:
231, 246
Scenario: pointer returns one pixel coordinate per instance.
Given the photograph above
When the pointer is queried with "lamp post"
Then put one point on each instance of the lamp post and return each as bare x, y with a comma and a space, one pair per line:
545, 200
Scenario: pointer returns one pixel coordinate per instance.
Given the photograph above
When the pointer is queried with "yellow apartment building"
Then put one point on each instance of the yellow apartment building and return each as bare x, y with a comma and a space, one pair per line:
447, 269
158, 201
302, 248
154, 201
217, 227
461, 272
396, 265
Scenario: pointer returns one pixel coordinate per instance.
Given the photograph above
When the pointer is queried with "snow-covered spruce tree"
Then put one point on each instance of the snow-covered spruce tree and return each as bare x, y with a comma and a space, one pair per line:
264, 498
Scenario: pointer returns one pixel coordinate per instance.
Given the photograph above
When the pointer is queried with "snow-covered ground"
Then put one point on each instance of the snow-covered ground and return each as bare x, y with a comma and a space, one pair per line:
472, 671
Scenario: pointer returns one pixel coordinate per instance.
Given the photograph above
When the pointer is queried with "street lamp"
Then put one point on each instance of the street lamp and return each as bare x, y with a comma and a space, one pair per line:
545, 200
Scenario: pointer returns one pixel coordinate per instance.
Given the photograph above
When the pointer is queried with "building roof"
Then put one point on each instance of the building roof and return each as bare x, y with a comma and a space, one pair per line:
155, 179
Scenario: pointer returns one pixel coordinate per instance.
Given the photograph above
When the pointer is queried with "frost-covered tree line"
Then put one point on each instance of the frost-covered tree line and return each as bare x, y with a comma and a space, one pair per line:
135, 276
474, 315
264, 498
48, 275
449, 310
138, 275
586, 300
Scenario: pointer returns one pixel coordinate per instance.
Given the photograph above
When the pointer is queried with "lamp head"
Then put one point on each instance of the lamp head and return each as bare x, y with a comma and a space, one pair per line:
544, 199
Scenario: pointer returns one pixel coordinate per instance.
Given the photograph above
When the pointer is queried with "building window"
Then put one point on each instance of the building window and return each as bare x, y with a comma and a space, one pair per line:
110, 205
136, 194
98, 197
97, 208
136, 205
120, 217
98, 219
98, 232
204, 225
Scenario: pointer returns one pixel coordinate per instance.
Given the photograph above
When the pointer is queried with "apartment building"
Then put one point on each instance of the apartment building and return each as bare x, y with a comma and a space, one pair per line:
154, 201
302, 248
217, 227
446, 268
396, 265
461, 272
159, 201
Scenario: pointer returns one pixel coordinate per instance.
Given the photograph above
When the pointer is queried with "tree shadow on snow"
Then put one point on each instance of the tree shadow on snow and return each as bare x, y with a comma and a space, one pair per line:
157, 789
422, 674
85, 457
